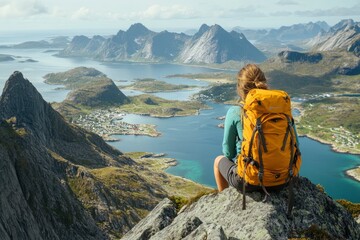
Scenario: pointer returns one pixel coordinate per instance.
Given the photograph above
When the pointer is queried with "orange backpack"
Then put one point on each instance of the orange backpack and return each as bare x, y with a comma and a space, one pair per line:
269, 152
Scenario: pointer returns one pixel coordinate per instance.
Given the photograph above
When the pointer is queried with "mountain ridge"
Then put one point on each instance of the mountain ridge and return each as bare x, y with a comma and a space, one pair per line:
140, 44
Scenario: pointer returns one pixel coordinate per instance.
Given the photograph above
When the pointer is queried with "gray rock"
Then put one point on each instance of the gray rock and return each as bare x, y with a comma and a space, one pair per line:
315, 215
162, 215
207, 231
174, 232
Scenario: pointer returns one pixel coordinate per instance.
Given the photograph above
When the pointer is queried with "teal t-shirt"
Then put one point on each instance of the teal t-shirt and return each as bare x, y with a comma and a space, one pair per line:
232, 133
231, 145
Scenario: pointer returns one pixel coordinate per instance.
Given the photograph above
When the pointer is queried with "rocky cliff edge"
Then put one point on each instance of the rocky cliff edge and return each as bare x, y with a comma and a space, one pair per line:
220, 216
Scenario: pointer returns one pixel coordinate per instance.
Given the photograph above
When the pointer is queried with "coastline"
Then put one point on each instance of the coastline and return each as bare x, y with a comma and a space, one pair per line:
353, 173
173, 184
334, 148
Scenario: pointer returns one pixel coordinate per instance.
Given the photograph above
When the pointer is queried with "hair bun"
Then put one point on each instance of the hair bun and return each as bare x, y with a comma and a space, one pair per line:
261, 85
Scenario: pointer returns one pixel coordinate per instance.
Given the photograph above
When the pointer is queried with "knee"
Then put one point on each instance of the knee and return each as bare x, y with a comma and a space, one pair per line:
217, 161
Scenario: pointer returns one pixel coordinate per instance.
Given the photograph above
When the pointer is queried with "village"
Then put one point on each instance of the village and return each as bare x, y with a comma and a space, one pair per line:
109, 122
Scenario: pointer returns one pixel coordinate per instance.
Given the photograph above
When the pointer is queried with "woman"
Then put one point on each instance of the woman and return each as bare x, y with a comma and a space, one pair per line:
225, 170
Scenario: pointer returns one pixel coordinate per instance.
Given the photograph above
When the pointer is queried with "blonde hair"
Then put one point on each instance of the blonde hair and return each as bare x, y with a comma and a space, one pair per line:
250, 77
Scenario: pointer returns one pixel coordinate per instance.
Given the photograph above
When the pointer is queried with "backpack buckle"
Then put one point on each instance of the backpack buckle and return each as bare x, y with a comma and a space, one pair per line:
247, 160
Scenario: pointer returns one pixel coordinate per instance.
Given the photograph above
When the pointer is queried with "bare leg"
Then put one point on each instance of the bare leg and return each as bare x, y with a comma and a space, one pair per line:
220, 180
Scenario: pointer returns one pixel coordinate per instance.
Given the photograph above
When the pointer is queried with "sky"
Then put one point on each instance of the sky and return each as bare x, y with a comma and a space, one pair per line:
158, 15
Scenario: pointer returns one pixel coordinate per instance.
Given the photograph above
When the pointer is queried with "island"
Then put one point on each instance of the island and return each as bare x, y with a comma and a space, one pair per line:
354, 173
98, 105
150, 85
6, 58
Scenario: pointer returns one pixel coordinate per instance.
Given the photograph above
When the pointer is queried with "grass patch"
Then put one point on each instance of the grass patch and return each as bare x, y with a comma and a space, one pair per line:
353, 208
181, 201
335, 120
315, 232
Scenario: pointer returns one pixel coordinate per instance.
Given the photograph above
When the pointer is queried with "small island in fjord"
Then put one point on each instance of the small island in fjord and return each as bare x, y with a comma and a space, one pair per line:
96, 104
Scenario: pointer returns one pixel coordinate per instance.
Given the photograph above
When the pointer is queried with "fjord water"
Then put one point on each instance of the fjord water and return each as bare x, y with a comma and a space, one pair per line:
194, 140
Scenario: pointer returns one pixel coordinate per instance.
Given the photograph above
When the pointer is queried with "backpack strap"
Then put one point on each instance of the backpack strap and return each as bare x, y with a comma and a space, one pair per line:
247, 161
261, 143
293, 157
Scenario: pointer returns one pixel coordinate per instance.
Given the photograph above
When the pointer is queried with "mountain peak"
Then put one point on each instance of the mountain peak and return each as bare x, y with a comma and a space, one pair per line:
345, 23
216, 28
21, 100
19, 95
137, 29
204, 27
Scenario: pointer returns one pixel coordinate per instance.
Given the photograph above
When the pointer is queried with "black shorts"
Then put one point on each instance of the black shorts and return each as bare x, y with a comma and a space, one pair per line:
228, 170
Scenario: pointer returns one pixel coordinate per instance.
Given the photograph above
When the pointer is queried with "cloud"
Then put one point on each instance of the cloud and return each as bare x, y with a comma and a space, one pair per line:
82, 13
281, 14
241, 12
287, 2
16, 8
333, 12
164, 12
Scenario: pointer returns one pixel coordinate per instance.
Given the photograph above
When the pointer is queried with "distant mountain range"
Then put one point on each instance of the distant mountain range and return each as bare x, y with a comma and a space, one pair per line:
343, 36
211, 44
296, 32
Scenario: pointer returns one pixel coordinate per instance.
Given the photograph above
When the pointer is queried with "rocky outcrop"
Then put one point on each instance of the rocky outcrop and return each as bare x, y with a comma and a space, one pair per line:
208, 45
315, 216
292, 56
160, 217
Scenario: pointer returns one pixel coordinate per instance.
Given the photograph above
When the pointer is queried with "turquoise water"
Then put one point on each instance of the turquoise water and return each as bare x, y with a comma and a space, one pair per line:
194, 140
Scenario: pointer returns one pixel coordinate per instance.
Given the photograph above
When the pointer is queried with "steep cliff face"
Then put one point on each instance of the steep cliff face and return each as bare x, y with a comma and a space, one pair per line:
220, 216
59, 181
35, 202
21, 101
